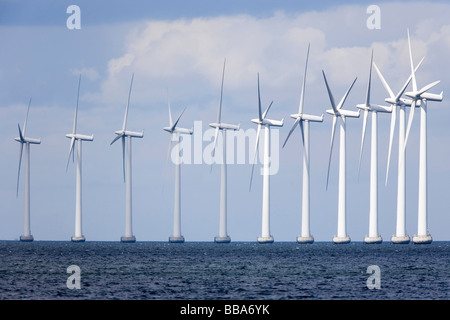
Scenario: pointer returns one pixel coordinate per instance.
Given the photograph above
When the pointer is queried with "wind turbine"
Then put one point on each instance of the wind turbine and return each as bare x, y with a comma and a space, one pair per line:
74, 136
303, 120
338, 112
265, 237
223, 237
124, 134
367, 107
176, 131
23, 139
422, 97
396, 101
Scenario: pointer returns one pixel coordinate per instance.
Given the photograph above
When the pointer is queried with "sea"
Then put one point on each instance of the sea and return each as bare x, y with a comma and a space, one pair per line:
238, 271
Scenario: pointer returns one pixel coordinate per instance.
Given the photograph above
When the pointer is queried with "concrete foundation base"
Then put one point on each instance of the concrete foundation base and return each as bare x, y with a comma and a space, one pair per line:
26, 238
305, 240
179, 239
218, 239
128, 239
422, 239
371, 240
78, 239
265, 239
341, 240
400, 239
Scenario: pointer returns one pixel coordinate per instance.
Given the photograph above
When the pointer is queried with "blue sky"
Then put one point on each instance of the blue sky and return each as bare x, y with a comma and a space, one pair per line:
181, 45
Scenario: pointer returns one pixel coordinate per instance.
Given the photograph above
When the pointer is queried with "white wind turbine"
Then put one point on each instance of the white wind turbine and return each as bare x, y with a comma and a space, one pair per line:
125, 134
396, 101
336, 112
367, 107
421, 96
303, 120
265, 237
175, 132
23, 139
74, 136
223, 237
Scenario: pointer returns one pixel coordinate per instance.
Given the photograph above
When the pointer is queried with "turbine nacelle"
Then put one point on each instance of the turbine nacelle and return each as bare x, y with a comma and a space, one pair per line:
80, 137
427, 96
344, 113
405, 102
363, 107
399, 102
269, 122
224, 126
375, 107
130, 133
178, 130
28, 140
308, 117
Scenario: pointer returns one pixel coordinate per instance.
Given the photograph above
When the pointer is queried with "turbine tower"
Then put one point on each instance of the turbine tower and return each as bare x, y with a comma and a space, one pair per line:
223, 237
396, 101
303, 120
75, 137
24, 140
367, 107
421, 97
265, 237
124, 134
336, 112
175, 132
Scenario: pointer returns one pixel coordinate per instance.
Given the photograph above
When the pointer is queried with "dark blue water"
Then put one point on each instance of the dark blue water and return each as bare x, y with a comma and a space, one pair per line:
203, 270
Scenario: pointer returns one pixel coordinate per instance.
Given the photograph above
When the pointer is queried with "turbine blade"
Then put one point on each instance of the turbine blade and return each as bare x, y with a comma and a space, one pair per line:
179, 117
369, 82
403, 89
363, 136
18, 171
333, 104
256, 152
259, 103
292, 130
333, 130
302, 97
391, 138
414, 83
170, 112
76, 108
20, 134
341, 103
267, 110
123, 156
428, 87
168, 150
221, 93
302, 132
215, 141
408, 81
383, 81
128, 105
116, 138
72, 143
410, 120
26, 118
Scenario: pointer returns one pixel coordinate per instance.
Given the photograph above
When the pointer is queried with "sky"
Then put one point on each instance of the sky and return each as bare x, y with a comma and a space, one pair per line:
178, 48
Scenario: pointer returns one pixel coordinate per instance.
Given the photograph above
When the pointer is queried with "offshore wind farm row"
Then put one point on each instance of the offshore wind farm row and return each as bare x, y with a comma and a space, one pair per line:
417, 98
